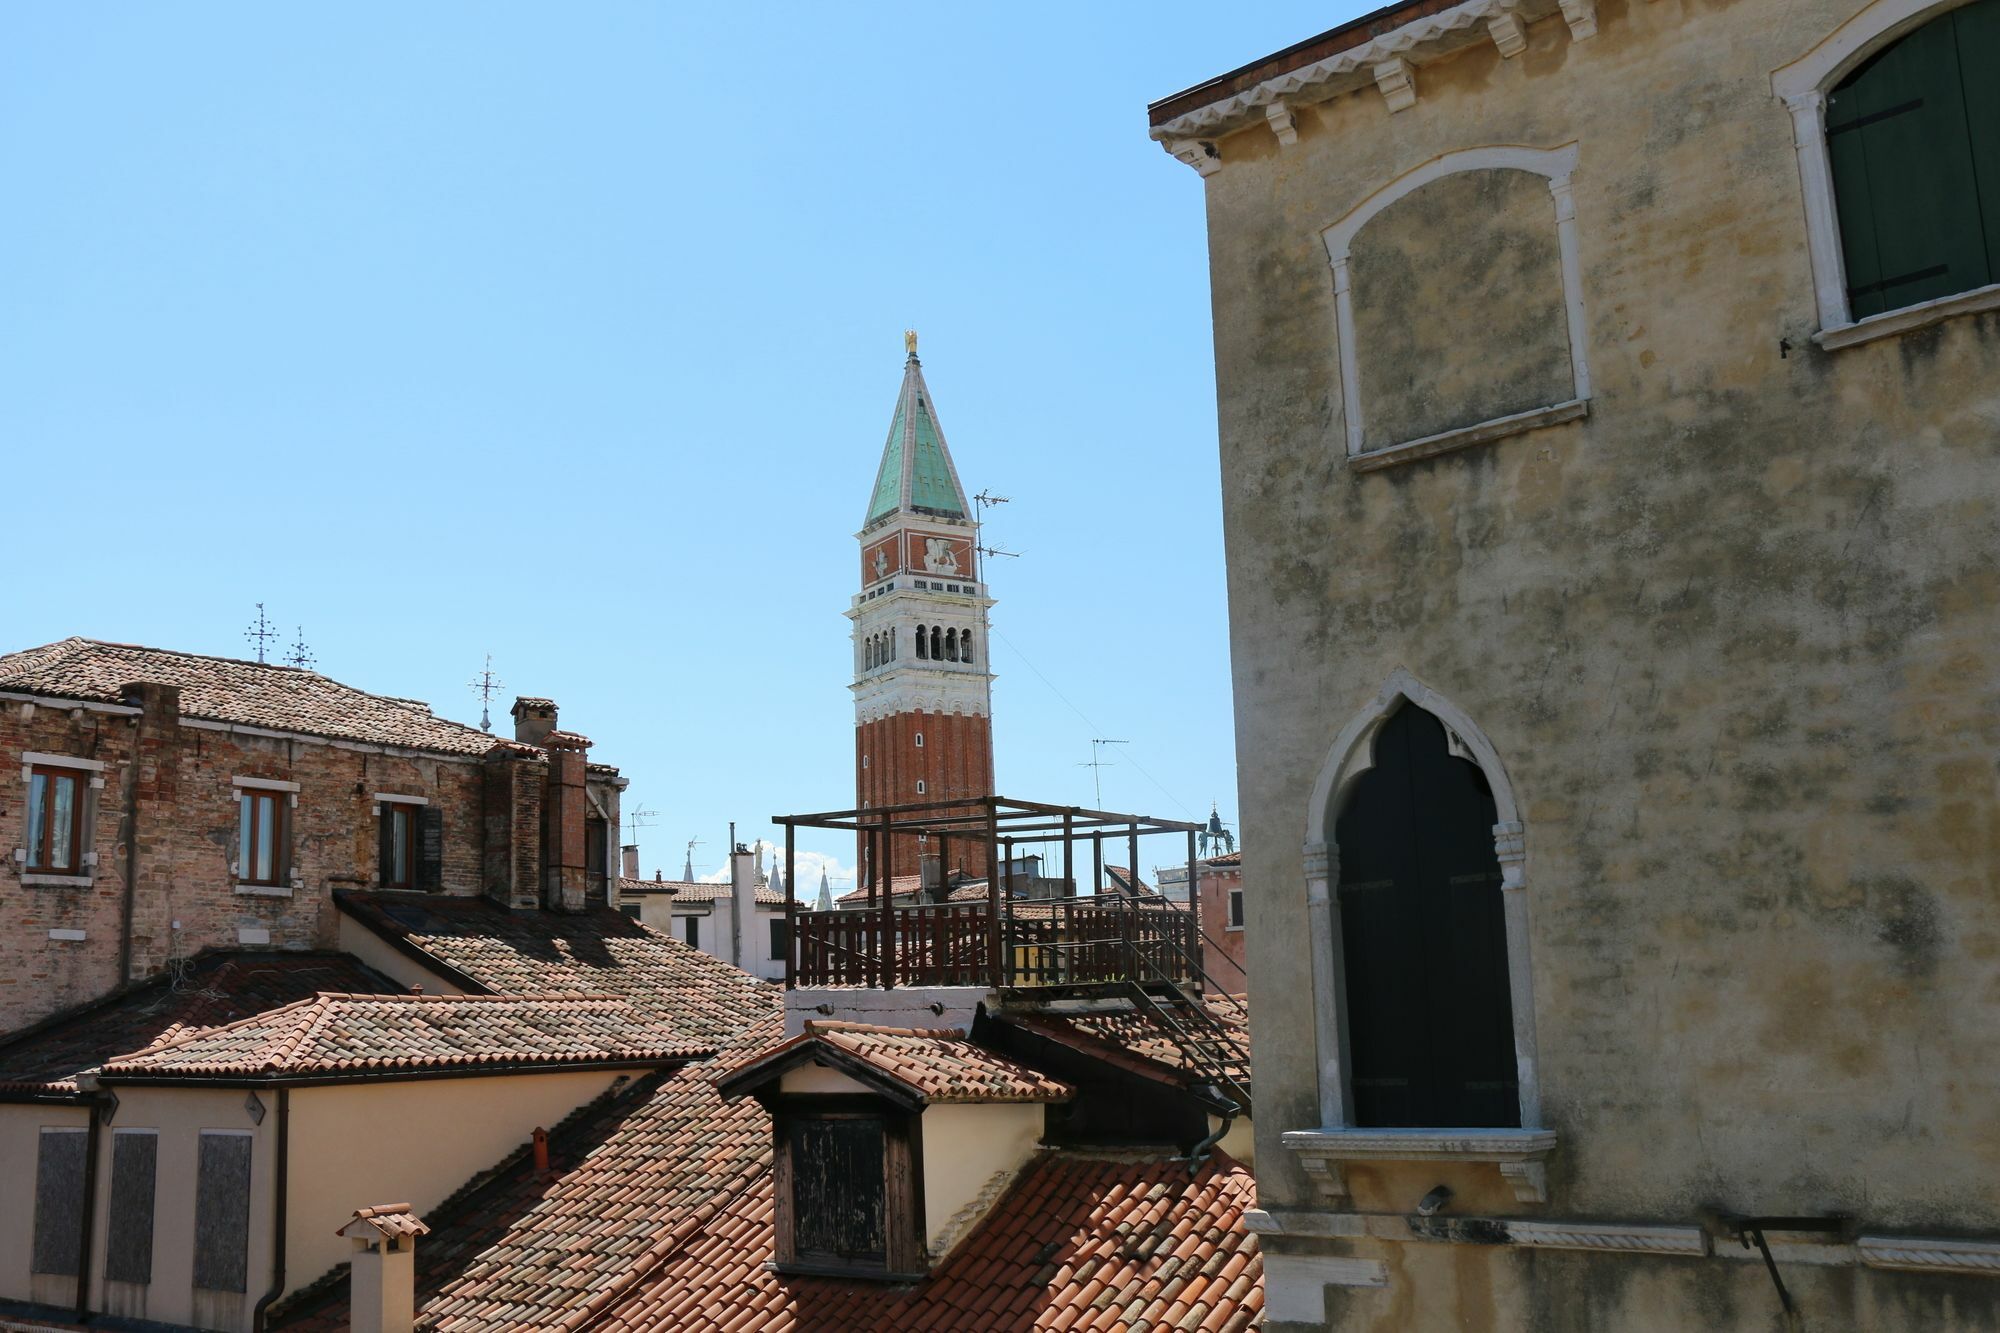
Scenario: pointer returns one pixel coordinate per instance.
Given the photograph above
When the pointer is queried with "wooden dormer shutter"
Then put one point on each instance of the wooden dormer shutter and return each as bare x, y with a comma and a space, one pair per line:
430, 849
1914, 139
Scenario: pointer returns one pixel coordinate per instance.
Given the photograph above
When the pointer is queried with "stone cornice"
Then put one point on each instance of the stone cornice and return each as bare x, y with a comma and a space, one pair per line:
1519, 1153
1388, 60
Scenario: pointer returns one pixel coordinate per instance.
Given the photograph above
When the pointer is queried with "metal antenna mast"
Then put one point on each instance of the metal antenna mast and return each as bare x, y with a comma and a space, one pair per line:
1098, 764
261, 632
687, 870
637, 820
486, 685
300, 656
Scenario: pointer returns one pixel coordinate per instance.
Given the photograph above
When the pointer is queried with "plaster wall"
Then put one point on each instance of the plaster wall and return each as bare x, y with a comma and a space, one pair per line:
1735, 637
20, 1148
355, 1145
969, 1153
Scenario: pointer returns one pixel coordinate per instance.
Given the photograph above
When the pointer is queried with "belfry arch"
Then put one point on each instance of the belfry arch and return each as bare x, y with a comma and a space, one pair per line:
1342, 777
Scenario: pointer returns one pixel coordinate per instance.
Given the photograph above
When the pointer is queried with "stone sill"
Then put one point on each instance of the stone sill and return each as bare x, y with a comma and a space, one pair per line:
1892, 322
1500, 428
265, 890
34, 879
1519, 1153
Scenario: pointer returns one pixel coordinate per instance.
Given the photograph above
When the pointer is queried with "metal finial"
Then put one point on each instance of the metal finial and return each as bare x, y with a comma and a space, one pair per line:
486, 685
261, 632
300, 656
910, 341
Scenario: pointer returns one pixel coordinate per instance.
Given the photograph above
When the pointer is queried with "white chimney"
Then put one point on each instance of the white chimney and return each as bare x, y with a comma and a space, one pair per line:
382, 1276
742, 904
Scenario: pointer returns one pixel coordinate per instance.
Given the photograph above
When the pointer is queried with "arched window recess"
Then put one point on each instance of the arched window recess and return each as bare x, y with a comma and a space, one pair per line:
923, 645
1896, 123
1423, 1002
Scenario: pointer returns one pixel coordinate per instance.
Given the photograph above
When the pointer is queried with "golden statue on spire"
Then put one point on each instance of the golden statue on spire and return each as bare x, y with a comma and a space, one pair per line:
910, 341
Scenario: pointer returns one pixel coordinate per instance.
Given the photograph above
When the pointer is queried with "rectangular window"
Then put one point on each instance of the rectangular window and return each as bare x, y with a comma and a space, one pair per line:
59, 1202
260, 836
128, 1253
55, 820
398, 832
838, 1188
693, 931
1236, 909
781, 939
222, 1212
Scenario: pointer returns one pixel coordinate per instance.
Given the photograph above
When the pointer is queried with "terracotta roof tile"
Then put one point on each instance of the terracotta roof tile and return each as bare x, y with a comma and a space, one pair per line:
697, 891
332, 1035
934, 1064
223, 689
490, 949
216, 988
1124, 1030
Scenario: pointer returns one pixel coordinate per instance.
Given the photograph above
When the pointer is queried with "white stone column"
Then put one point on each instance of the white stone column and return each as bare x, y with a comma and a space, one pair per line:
1322, 865
1829, 265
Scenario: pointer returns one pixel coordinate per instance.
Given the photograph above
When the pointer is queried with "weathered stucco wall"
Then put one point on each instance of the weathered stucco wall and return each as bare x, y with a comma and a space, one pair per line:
1458, 306
1734, 636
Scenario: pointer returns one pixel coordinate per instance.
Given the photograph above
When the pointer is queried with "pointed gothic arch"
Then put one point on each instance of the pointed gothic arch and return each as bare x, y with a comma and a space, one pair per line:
1348, 760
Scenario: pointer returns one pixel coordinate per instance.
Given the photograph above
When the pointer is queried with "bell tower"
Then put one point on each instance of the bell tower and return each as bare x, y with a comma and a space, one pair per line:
922, 690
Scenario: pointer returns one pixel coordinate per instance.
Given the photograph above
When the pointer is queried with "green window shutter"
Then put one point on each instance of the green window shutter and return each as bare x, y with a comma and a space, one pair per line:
1978, 28
430, 848
1903, 175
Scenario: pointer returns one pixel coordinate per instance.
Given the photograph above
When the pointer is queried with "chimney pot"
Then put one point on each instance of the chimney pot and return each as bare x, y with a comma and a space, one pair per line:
541, 1151
533, 719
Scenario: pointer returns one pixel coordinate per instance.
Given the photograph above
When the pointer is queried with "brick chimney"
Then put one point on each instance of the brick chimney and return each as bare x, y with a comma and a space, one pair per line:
382, 1281
517, 784
628, 858
534, 719
567, 874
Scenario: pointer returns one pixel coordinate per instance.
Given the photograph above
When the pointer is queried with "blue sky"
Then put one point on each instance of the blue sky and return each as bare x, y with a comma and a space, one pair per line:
571, 334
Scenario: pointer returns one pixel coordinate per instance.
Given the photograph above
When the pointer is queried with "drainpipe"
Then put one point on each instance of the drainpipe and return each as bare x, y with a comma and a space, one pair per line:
91, 1142
1200, 1152
278, 1244
131, 850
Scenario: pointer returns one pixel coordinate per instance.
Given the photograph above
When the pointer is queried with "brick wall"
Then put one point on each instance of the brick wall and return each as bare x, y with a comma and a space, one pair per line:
955, 760
1222, 952
168, 785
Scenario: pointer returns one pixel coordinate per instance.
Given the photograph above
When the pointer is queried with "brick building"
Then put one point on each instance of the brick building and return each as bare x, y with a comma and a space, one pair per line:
170, 802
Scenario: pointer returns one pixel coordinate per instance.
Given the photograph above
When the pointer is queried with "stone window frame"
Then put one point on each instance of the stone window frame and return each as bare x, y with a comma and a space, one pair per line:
290, 880
1557, 166
1519, 1152
1232, 910
1802, 86
94, 769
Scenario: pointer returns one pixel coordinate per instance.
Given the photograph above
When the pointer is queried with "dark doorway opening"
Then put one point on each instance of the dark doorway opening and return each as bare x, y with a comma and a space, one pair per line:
1429, 1017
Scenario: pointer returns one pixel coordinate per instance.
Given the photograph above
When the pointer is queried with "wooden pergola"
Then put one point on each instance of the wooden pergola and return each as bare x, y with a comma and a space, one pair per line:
1072, 938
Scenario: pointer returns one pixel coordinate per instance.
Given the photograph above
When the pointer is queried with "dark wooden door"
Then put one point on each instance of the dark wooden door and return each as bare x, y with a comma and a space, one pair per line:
838, 1183
1430, 1021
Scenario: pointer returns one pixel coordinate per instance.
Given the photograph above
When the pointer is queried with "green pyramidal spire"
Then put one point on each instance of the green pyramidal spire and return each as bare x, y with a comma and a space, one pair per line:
916, 475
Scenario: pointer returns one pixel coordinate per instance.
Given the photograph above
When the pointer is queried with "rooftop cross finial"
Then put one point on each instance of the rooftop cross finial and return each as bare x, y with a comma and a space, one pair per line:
301, 656
910, 342
261, 632
486, 685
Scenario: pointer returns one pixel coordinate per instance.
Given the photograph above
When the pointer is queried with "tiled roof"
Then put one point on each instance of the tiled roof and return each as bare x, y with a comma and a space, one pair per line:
488, 949
223, 689
932, 1064
1226, 859
1125, 1031
1080, 1242
901, 886
393, 1220
214, 988
696, 891
1122, 878
331, 1035
629, 1173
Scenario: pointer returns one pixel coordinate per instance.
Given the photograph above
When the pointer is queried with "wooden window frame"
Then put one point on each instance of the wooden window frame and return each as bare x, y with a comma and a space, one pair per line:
904, 1257
38, 839
1232, 909
409, 811
281, 831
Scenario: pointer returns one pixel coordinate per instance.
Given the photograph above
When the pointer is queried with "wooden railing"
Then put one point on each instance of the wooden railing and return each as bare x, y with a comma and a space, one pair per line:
1051, 942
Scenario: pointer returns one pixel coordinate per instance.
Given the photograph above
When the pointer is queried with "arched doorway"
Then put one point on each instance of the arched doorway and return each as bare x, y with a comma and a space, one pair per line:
1426, 997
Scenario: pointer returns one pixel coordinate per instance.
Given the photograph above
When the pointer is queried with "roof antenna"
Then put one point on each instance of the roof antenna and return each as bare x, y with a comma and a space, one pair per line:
301, 656
486, 686
638, 819
687, 870
261, 632
1097, 765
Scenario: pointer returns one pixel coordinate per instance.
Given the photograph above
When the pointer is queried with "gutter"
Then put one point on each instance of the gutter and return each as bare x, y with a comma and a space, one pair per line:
283, 1081
259, 1313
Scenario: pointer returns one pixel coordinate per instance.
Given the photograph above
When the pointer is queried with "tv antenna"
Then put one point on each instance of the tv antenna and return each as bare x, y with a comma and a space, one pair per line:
637, 820
261, 632
687, 869
486, 685
1098, 764
300, 656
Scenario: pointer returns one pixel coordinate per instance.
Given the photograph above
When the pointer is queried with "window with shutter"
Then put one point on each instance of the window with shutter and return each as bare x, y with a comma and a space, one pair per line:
1429, 1011
128, 1253
1913, 139
59, 1170
838, 1185
222, 1212
430, 849
781, 939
